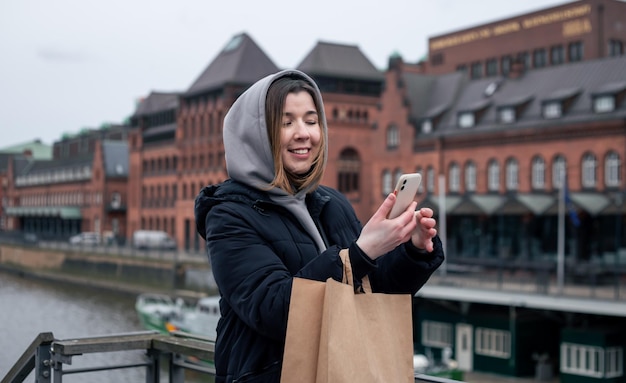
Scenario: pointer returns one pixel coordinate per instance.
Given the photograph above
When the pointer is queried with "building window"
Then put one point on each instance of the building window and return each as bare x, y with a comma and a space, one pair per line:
495, 343
430, 179
557, 55
477, 69
539, 58
454, 178
420, 187
387, 180
397, 176
348, 170
470, 177
512, 174
116, 200
552, 109
491, 67
493, 176
436, 334
614, 362
393, 137
505, 65
604, 104
616, 48
538, 173
507, 115
612, 170
524, 58
589, 166
466, 120
584, 360
461, 68
559, 167
575, 51
427, 126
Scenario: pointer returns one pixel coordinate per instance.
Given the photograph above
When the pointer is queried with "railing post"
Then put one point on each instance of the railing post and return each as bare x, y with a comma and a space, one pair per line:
42, 364
153, 371
177, 373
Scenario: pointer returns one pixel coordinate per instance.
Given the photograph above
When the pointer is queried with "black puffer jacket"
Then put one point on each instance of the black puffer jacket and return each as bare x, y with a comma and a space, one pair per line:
256, 247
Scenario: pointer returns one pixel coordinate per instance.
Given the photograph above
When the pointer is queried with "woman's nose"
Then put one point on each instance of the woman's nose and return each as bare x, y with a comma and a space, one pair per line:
302, 130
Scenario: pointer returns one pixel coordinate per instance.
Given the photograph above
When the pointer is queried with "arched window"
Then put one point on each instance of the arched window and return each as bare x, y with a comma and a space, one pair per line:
348, 171
470, 177
393, 137
397, 176
559, 167
386, 183
420, 188
589, 171
538, 173
493, 176
430, 179
612, 170
454, 178
512, 174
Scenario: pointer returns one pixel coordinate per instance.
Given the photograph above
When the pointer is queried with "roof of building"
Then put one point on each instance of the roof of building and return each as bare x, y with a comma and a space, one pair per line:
531, 301
576, 83
241, 61
156, 102
339, 60
115, 158
38, 149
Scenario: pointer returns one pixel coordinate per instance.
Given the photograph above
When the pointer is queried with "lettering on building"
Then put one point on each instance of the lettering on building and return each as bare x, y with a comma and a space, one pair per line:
570, 27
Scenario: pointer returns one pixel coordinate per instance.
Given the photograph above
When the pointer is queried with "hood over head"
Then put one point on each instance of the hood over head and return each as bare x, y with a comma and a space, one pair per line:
246, 143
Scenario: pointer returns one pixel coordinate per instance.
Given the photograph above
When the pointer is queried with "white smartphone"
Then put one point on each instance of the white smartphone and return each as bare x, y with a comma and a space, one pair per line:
405, 192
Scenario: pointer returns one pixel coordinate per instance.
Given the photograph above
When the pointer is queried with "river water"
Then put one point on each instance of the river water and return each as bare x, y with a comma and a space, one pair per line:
29, 307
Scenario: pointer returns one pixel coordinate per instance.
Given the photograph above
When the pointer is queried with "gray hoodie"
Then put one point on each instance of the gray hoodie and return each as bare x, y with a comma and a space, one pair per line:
247, 148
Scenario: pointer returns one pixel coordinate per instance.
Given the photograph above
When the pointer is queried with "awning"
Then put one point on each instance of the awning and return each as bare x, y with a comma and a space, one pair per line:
65, 212
537, 203
488, 203
432, 201
592, 203
512, 206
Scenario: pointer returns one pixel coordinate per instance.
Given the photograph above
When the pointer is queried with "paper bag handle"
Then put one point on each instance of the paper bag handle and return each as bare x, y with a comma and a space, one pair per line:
348, 277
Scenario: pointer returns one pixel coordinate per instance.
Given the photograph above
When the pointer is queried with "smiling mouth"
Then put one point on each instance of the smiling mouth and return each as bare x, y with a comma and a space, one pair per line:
300, 151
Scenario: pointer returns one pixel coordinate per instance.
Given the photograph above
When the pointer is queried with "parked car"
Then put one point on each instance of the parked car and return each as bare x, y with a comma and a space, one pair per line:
153, 239
86, 238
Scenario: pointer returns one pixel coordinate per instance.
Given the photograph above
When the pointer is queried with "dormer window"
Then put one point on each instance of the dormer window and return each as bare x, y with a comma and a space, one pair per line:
552, 109
466, 120
427, 126
604, 104
507, 115
558, 103
470, 115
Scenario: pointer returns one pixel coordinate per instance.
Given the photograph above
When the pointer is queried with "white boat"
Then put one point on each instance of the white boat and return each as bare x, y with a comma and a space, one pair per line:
166, 314
156, 310
200, 319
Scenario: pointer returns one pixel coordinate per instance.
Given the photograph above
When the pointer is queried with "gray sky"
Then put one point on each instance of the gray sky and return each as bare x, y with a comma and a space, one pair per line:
70, 64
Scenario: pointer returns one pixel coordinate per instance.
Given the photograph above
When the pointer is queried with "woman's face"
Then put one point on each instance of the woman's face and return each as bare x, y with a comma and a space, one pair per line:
300, 133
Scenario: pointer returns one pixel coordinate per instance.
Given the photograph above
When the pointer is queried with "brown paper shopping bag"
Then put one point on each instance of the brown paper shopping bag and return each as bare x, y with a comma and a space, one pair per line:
337, 336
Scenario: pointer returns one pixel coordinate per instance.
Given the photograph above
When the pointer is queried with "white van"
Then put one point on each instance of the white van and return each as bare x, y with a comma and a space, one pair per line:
153, 239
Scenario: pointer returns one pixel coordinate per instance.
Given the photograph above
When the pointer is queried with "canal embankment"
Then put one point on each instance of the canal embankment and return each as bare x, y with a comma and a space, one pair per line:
127, 274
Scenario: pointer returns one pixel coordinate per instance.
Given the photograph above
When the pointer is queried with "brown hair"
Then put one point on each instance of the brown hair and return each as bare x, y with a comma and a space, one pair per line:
274, 108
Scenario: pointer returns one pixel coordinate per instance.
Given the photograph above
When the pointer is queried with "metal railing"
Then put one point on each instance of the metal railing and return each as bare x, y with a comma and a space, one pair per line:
49, 357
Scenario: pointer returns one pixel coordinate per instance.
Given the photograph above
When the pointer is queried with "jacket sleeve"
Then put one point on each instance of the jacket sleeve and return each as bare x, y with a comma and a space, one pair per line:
406, 269
252, 278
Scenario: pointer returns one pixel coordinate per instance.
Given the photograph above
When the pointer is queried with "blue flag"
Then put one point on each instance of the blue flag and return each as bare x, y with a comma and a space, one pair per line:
571, 209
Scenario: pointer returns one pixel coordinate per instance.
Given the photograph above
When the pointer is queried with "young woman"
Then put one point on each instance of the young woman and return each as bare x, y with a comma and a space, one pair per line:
272, 221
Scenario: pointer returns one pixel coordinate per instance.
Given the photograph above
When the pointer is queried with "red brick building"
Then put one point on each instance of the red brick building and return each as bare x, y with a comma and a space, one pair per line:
82, 188
572, 32
176, 142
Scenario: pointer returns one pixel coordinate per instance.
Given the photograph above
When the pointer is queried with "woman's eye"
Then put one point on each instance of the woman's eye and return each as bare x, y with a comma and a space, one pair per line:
312, 122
